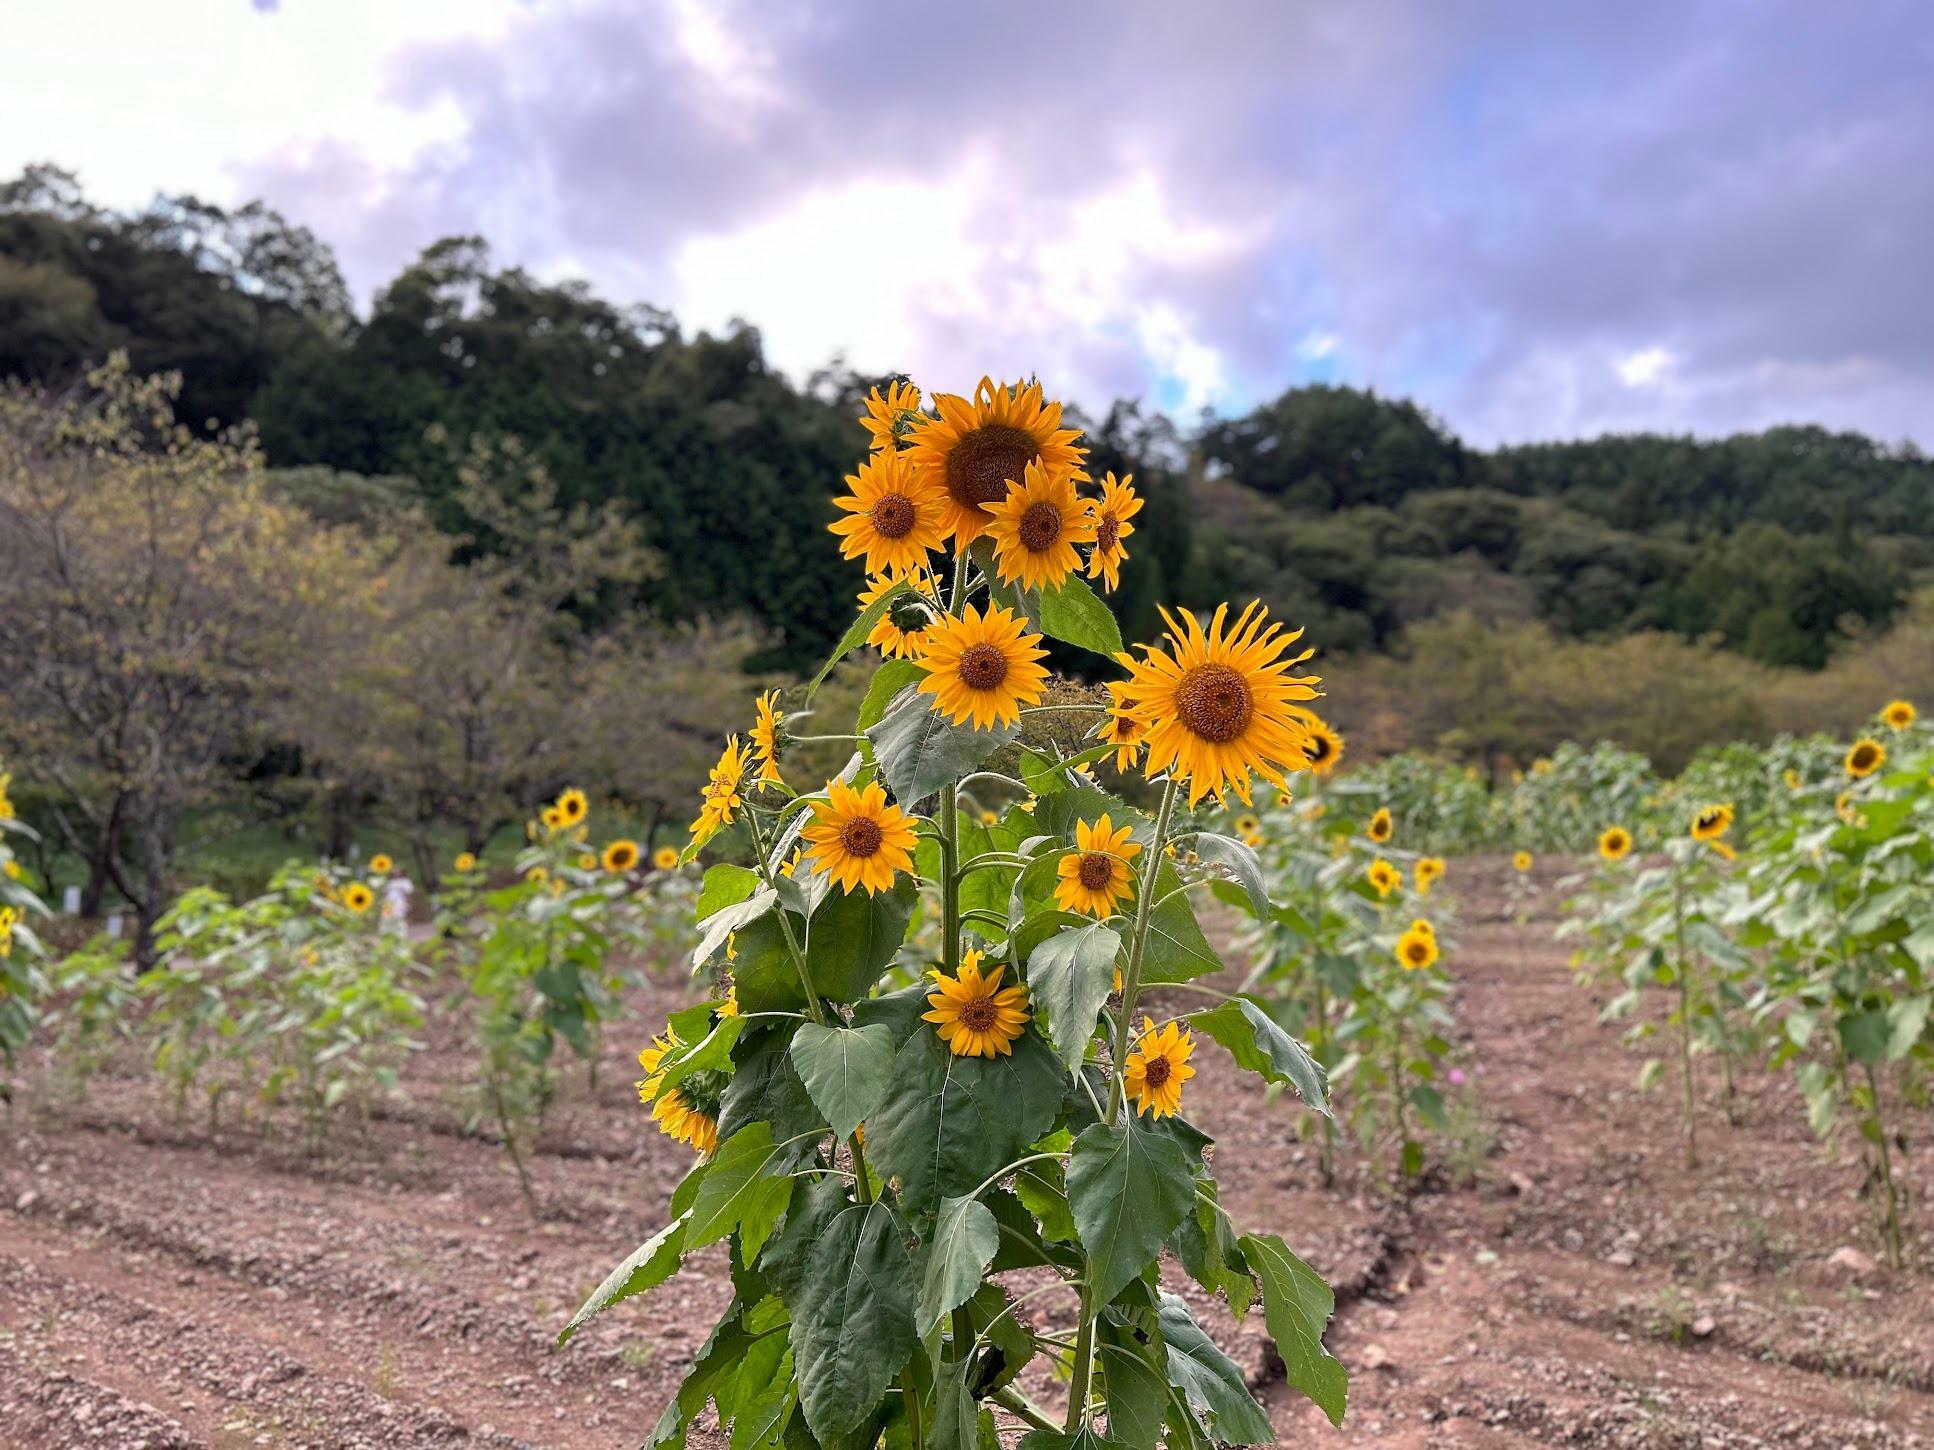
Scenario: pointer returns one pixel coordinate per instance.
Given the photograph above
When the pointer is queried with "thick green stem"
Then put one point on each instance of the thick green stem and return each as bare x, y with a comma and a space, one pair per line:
950, 878
910, 1398
1684, 971
1131, 984
1084, 1366
1892, 1220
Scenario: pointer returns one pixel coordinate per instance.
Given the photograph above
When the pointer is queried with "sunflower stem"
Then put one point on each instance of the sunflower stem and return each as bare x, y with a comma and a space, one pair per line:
950, 867
1131, 982
793, 948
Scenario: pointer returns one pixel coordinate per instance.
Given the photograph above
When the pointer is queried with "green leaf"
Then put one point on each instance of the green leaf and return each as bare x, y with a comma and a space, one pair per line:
1085, 1438
1134, 1384
741, 1191
728, 919
1255, 1041
725, 885
1046, 774
852, 936
852, 1317
845, 1070
1129, 1189
707, 1044
1243, 864
1297, 1305
1075, 614
1177, 951
1865, 1036
956, 1418
949, 1122
765, 1088
1043, 1190
644, 1269
888, 680
920, 750
718, 1360
1209, 1379
964, 1239
1069, 977
855, 635
1906, 1020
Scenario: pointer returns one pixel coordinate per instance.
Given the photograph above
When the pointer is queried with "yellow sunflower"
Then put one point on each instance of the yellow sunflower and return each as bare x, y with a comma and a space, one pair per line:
1385, 877
553, 818
1521, 861
884, 415
620, 856
1095, 875
1844, 808
1615, 843
1423, 925
983, 667
358, 897
1117, 505
665, 858
1865, 758
765, 737
587, 861
537, 874
1247, 825
381, 864
1220, 704
900, 631
1381, 827
1899, 714
1430, 870
572, 807
974, 1015
1121, 730
1712, 823
1792, 778
893, 515
1417, 949
1035, 527
1157, 1068
465, 862
974, 450
722, 797
858, 839
8, 916
1322, 746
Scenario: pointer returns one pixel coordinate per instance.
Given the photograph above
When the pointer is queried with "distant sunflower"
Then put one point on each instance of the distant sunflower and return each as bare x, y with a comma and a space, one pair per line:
587, 861
983, 667
572, 807
858, 839
765, 737
1615, 843
973, 1014
884, 415
1521, 861
1095, 875
1423, 925
1157, 1067
1220, 703
892, 515
1116, 506
538, 875
901, 629
1899, 714
974, 450
620, 856
1430, 870
1385, 877
1381, 827
381, 864
1844, 808
553, 818
1792, 778
1035, 527
665, 858
1712, 823
1121, 730
722, 797
465, 862
1322, 746
1865, 758
1416, 949
358, 897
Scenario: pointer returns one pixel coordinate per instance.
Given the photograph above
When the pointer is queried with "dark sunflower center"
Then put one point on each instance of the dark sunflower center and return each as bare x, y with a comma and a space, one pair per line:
860, 837
1317, 750
1416, 951
1157, 1071
1040, 527
978, 1015
1096, 870
1107, 532
894, 516
1214, 702
1863, 758
982, 666
985, 461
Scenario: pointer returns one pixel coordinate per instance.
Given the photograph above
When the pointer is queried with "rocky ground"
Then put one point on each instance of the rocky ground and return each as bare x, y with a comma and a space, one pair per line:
1561, 1278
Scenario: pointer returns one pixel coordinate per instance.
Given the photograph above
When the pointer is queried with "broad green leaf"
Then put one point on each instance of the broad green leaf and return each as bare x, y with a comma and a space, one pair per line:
920, 750
855, 635
728, 919
1865, 1036
725, 885
964, 1239
765, 1088
852, 936
852, 1317
1215, 1387
707, 1044
1069, 977
1243, 864
764, 1392
718, 1360
1906, 1019
644, 1269
747, 1188
948, 1122
1075, 614
1255, 1041
888, 681
1043, 1190
1085, 1438
1128, 1188
845, 1070
1134, 1384
1297, 1305
956, 1418
1046, 774
1177, 951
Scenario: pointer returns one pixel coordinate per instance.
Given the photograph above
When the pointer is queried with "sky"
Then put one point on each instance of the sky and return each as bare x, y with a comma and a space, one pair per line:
1537, 220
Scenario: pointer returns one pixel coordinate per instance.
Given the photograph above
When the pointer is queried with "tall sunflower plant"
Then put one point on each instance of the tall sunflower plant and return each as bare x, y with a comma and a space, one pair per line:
1347, 952
23, 982
939, 1112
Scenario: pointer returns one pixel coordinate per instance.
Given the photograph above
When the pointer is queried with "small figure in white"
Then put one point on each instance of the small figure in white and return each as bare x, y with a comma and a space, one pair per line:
396, 903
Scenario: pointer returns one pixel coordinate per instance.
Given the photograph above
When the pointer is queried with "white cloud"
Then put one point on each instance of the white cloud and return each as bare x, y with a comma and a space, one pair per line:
1645, 367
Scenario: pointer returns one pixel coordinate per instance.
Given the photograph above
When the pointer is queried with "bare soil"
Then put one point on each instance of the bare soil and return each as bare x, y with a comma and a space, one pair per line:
1561, 1277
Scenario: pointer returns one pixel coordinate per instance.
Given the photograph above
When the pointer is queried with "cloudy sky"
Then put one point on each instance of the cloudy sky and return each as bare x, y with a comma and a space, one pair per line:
1539, 220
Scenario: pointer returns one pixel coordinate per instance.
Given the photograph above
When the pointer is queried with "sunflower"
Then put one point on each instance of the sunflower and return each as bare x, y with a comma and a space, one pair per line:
553, 818
1865, 758
8, 916
620, 857
1219, 703
1035, 527
1416, 949
1322, 746
1423, 925
358, 897
1385, 877
1381, 827
765, 737
538, 875
381, 864
1521, 861
1844, 808
572, 807
974, 450
1112, 511
974, 1015
587, 861
1899, 714
665, 858
721, 799
1157, 1068
1247, 825
465, 862
858, 839
1430, 870
1121, 730
900, 631
983, 667
1095, 875
893, 515
884, 414
1615, 843
1712, 823
1792, 778
687, 1112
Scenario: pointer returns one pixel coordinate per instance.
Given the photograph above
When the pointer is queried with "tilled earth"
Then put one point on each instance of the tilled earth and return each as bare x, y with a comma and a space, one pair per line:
1560, 1278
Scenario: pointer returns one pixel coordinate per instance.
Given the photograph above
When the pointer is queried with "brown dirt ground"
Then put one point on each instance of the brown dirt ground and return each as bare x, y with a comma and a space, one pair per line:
1562, 1279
